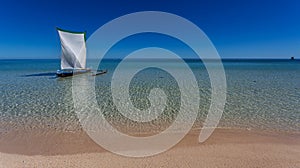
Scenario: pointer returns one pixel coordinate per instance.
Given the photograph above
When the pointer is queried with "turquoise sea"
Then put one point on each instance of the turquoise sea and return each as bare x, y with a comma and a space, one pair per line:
261, 94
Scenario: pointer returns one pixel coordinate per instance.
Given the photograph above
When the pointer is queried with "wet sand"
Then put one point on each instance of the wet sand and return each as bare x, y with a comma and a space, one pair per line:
225, 148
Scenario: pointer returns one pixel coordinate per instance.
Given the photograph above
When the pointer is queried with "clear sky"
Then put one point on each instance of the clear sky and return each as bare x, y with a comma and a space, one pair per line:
238, 29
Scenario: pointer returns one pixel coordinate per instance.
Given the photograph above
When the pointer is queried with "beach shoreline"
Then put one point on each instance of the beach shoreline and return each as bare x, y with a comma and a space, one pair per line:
225, 148
39, 126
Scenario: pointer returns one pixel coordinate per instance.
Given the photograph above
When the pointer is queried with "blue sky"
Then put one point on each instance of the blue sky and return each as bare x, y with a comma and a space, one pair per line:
238, 29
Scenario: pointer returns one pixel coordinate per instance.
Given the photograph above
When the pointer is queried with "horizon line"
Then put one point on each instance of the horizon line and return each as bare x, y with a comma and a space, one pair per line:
266, 58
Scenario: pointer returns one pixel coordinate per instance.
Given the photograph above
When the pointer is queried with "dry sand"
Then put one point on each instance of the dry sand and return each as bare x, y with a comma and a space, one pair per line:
225, 148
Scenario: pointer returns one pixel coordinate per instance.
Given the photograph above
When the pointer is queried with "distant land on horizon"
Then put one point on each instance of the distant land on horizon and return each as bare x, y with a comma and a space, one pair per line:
223, 59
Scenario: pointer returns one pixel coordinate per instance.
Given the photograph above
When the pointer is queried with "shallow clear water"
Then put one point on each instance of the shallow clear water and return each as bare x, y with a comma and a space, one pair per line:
261, 94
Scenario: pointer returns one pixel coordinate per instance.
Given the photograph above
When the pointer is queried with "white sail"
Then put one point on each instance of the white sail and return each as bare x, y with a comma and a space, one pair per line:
73, 50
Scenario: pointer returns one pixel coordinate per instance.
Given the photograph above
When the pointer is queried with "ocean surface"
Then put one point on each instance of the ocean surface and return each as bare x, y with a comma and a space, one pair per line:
261, 94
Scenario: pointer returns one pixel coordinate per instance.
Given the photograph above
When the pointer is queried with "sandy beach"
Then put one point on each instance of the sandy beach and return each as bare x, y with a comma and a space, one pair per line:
150, 84
225, 148
39, 126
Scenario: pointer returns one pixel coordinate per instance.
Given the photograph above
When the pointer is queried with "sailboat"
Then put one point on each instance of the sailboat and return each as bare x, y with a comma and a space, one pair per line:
73, 58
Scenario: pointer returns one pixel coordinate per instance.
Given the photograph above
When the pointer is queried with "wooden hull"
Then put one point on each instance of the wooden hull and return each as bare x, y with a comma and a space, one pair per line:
71, 72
